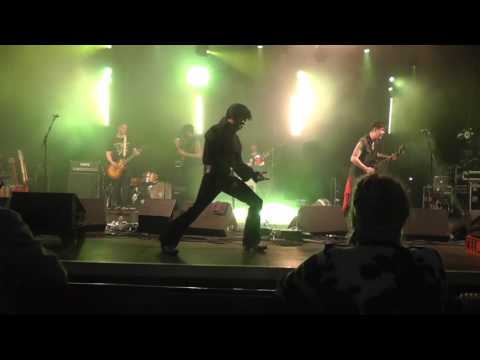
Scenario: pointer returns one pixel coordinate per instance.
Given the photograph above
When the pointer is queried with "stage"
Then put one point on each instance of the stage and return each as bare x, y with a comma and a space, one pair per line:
222, 263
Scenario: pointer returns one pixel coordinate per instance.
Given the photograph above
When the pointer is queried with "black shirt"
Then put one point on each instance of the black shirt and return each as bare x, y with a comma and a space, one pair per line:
188, 145
116, 147
28, 272
223, 151
368, 156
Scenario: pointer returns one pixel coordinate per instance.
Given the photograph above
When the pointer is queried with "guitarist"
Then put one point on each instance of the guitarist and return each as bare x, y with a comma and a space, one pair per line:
363, 160
120, 149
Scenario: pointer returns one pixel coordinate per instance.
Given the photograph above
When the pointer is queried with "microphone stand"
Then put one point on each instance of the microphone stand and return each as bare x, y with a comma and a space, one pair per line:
428, 136
431, 157
45, 153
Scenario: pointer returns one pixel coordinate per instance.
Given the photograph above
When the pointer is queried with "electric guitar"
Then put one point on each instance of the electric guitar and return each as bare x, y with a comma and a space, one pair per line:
17, 186
24, 171
115, 172
380, 164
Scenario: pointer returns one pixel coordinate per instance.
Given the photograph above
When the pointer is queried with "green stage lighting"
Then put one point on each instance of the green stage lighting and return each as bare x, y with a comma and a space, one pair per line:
301, 104
198, 76
199, 114
390, 116
103, 93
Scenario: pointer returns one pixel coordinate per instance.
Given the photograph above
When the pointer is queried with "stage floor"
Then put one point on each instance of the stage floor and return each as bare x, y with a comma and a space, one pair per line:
219, 262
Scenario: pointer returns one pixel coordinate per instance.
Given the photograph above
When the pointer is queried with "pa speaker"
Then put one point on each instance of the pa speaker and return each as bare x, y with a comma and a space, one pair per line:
427, 223
322, 220
58, 214
85, 185
216, 220
154, 214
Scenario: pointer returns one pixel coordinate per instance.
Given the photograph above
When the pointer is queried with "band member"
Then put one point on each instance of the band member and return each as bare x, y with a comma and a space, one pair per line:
120, 149
257, 162
222, 158
188, 162
363, 160
256, 159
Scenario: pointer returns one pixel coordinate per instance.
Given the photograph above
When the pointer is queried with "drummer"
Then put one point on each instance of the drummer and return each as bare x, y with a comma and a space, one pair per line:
140, 187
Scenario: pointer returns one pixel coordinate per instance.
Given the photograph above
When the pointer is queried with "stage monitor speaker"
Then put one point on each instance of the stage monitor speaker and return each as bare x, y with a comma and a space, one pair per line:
154, 214
321, 220
474, 223
216, 220
95, 217
427, 224
475, 215
84, 184
58, 214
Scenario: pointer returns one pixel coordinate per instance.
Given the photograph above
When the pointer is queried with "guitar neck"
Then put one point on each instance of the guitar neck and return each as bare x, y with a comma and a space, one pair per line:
127, 160
398, 153
23, 167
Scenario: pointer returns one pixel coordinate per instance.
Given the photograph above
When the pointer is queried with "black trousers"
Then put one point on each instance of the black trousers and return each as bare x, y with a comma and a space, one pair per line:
211, 186
187, 180
121, 189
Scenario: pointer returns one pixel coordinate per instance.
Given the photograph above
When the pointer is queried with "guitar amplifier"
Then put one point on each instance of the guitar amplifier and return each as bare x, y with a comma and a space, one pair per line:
84, 179
471, 175
85, 166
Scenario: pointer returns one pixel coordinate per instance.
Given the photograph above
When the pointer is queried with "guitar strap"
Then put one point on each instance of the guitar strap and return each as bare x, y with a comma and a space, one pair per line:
124, 150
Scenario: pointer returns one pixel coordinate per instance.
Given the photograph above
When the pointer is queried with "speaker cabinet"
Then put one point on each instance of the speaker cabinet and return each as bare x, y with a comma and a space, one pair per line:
216, 220
84, 184
154, 214
95, 216
322, 220
58, 214
427, 223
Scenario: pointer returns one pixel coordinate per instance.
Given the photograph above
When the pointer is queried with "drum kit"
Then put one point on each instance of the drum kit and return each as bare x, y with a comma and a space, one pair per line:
148, 186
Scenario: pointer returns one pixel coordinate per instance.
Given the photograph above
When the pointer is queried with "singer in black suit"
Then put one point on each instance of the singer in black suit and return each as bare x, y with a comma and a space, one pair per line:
222, 160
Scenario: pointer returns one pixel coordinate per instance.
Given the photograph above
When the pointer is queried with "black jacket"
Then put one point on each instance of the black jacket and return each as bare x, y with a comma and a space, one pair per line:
223, 151
31, 278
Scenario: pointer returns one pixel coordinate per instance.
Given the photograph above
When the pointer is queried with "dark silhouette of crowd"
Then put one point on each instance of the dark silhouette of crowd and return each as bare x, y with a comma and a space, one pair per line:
375, 274
31, 278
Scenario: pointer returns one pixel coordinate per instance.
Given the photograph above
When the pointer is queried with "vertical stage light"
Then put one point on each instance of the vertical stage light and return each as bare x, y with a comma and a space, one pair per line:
390, 114
103, 93
301, 104
198, 78
199, 111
